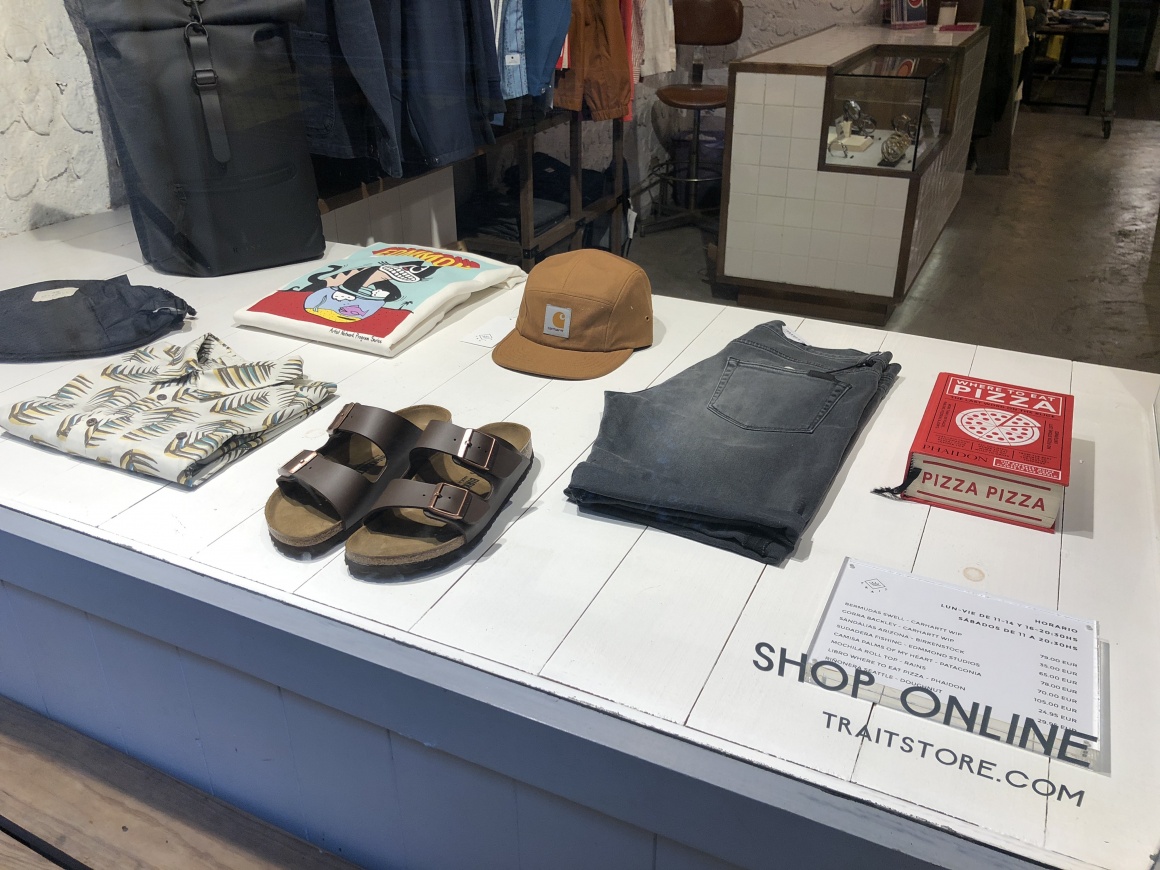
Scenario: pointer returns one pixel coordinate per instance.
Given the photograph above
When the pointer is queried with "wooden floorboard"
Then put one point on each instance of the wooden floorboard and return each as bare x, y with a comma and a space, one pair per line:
17, 856
104, 809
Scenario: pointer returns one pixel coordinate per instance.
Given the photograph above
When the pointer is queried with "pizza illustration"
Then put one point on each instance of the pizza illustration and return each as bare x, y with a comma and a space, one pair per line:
997, 426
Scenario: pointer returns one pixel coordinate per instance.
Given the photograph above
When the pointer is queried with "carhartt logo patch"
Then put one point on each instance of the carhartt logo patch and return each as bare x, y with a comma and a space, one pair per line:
557, 321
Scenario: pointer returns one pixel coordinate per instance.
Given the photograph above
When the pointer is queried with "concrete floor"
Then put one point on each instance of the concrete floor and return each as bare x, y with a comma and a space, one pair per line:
1058, 258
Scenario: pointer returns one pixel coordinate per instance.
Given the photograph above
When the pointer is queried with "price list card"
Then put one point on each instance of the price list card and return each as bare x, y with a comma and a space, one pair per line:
911, 631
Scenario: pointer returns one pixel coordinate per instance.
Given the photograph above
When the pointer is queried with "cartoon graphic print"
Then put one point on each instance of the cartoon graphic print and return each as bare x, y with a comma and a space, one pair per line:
356, 294
347, 292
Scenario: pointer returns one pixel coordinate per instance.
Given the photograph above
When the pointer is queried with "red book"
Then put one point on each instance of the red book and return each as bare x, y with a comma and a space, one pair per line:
992, 449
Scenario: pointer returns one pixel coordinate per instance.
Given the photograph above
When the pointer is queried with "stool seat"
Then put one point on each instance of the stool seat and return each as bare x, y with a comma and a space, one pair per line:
691, 96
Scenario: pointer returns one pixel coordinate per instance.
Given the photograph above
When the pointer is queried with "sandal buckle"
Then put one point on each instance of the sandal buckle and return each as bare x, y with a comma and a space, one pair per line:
340, 418
297, 463
461, 509
474, 435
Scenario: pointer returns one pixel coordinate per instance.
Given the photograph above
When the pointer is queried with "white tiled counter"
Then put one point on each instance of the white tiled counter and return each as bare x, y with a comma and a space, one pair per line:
843, 241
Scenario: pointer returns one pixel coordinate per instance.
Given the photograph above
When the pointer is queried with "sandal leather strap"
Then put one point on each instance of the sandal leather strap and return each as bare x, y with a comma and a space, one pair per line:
375, 424
493, 456
338, 485
441, 501
342, 487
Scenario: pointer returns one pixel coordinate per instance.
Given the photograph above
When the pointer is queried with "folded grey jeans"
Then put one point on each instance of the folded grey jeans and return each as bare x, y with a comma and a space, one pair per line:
739, 450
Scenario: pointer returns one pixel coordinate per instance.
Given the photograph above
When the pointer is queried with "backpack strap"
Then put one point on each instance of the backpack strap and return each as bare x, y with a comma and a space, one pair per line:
205, 82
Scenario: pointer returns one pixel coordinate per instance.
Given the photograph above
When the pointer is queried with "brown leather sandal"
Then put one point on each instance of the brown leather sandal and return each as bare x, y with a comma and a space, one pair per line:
324, 494
460, 480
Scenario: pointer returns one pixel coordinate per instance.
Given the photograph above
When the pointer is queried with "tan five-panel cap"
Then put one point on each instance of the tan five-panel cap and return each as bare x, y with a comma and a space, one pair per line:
583, 314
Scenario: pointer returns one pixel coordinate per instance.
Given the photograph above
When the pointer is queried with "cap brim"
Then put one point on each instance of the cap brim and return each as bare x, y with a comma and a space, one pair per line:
523, 355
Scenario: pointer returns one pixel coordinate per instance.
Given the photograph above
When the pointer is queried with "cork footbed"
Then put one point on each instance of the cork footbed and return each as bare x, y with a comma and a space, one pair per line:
301, 523
407, 537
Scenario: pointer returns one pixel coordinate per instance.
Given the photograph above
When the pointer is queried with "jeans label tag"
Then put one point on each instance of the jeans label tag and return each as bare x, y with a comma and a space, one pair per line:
557, 321
793, 336
58, 293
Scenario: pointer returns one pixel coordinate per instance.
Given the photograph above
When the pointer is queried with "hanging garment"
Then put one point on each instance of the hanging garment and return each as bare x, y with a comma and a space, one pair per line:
599, 74
739, 450
546, 27
632, 48
660, 46
513, 64
637, 48
530, 45
56, 320
346, 94
496, 20
410, 83
177, 412
447, 76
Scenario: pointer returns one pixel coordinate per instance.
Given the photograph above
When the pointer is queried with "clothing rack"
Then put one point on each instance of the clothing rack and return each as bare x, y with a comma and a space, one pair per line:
530, 245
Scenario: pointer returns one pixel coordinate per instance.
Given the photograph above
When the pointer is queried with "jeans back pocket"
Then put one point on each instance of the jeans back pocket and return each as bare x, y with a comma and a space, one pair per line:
770, 398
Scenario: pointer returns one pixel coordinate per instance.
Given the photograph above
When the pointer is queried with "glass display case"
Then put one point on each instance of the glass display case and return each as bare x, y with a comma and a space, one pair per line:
886, 111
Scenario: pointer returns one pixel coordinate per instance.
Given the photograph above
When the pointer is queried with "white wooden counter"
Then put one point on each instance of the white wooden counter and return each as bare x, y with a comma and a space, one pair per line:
580, 692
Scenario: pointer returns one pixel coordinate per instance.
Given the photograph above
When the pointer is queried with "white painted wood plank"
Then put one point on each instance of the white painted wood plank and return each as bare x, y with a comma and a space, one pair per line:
348, 784
985, 555
147, 687
27, 465
984, 782
95, 493
518, 602
1109, 571
79, 226
247, 551
68, 669
506, 608
653, 633
106, 238
558, 834
774, 714
673, 856
246, 742
186, 522
17, 674
1021, 369
59, 260
455, 814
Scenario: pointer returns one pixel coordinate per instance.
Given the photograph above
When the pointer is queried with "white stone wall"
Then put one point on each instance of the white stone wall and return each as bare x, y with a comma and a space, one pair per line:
52, 159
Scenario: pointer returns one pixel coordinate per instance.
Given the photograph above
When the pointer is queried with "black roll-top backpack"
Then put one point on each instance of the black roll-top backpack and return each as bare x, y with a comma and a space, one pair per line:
203, 103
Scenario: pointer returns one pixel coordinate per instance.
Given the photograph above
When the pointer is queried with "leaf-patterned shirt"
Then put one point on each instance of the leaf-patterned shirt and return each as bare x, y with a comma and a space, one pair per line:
181, 413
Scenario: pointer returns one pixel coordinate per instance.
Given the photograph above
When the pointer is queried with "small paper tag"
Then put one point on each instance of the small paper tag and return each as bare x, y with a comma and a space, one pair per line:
793, 336
511, 59
557, 321
492, 332
58, 293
